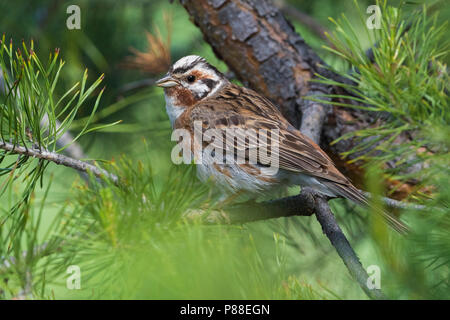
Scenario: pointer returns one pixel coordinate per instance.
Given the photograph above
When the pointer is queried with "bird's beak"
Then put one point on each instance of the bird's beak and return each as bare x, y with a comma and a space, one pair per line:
166, 82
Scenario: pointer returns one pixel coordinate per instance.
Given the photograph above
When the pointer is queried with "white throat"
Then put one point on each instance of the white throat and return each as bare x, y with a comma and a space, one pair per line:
172, 110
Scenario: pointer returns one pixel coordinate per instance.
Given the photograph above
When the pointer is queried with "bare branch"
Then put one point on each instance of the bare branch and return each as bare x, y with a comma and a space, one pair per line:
260, 46
337, 238
299, 205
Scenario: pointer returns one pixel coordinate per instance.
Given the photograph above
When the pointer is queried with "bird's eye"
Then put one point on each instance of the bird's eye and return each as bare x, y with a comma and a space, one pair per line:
190, 78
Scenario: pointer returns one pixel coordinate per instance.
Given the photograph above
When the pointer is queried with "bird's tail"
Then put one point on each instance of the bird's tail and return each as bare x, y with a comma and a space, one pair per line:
355, 195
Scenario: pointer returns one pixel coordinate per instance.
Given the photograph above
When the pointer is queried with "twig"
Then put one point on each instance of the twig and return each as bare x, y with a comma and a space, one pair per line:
59, 159
139, 84
397, 204
304, 19
252, 211
73, 149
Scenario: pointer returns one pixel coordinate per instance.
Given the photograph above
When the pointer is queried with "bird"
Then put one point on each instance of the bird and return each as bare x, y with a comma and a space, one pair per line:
197, 92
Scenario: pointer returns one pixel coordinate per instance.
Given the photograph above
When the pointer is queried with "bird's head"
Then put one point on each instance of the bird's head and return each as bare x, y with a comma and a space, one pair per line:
190, 80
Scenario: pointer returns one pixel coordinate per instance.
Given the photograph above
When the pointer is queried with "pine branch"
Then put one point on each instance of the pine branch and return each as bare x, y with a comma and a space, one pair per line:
58, 159
392, 203
307, 203
298, 205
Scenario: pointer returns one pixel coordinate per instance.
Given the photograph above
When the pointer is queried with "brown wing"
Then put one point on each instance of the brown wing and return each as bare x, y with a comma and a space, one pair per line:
237, 107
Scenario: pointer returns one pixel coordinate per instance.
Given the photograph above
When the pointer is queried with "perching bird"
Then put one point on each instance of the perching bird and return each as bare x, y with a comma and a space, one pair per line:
195, 91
